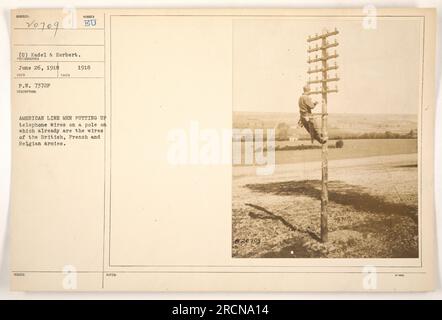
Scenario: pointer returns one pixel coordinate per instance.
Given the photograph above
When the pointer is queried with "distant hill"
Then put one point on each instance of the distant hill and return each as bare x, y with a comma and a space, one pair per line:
339, 125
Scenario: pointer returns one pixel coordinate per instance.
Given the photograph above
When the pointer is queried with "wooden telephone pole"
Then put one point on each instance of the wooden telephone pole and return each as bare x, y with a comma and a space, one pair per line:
322, 56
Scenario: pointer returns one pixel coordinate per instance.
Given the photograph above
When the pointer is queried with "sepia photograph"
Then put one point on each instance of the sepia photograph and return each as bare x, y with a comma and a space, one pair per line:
325, 147
222, 150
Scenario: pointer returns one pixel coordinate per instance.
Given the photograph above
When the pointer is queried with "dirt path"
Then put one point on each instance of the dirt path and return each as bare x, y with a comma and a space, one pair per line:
372, 210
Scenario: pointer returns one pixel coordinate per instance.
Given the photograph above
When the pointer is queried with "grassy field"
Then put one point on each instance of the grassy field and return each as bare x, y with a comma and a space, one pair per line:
373, 211
358, 148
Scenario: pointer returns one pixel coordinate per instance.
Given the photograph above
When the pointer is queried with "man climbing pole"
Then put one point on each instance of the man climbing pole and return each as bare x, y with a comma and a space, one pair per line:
306, 120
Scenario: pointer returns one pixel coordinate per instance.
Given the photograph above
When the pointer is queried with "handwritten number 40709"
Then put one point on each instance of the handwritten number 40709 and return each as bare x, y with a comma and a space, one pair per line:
36, 25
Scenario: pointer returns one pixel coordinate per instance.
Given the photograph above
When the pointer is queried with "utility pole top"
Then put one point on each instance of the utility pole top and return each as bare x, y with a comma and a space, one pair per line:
324, 35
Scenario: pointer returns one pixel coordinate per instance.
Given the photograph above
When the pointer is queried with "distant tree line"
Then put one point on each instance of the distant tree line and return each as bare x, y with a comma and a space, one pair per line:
412, 134
283, 132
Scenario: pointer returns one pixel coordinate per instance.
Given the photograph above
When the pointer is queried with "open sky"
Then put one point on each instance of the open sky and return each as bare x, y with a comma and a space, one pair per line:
379, 68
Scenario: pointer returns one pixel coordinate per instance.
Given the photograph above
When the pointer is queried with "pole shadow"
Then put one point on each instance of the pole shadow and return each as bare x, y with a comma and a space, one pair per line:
339, 193
271, 216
